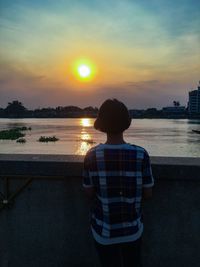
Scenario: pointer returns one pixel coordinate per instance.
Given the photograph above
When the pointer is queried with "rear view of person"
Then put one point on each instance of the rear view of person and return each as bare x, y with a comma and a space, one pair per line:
117, 177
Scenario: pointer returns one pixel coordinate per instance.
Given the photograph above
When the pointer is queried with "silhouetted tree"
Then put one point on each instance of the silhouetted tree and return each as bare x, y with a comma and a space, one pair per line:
151, 112
15, 109
72, 109
90, 108
90, 111
2, 112
176, 103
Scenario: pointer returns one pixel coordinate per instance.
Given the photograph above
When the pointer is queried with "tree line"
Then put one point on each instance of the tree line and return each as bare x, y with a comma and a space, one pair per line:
16, 109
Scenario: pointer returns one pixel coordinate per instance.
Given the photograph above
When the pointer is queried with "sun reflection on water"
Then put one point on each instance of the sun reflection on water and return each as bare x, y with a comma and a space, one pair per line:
86, 140
85, 144
85, 136
83, 148
85, 122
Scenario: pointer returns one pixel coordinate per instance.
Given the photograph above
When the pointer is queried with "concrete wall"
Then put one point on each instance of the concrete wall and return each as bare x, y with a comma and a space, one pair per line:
48, 223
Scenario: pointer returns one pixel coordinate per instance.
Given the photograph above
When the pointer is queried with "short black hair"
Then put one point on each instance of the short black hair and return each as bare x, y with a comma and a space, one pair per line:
113, 117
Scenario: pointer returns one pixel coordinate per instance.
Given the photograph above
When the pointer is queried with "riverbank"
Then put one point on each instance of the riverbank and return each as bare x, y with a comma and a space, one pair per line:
94, 116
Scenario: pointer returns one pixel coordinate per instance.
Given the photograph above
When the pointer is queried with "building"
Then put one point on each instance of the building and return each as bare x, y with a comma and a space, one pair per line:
194, 101
174, 110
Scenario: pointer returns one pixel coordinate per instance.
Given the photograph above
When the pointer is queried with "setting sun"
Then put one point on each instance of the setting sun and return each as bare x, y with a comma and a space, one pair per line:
84, 71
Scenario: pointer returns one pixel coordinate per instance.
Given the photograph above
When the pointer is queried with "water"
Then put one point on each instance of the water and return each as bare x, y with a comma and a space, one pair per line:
161, 137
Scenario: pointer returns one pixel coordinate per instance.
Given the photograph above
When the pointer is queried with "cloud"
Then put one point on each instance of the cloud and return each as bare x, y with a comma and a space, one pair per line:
147, 51
135, 95
17, 74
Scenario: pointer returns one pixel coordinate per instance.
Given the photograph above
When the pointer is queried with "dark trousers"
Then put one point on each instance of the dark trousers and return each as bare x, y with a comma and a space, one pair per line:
120, 255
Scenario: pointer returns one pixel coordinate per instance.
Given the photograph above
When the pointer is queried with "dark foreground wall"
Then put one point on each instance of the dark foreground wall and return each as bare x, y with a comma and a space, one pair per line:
47, 224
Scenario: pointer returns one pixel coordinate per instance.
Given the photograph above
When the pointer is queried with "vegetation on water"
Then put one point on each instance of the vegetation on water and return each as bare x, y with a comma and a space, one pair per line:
11, 134
48, 139
21, 140
17, 134
14, 133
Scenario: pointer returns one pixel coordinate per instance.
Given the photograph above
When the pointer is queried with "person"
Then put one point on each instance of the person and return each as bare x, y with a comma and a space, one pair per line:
117, 176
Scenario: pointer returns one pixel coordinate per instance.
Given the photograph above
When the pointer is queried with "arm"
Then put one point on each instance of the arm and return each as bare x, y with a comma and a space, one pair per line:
148, 180
88, 186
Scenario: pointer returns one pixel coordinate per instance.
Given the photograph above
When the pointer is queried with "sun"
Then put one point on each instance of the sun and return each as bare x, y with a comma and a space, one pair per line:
84, 71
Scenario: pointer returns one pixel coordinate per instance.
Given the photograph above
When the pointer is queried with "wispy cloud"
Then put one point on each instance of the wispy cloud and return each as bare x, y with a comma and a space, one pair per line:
143, 49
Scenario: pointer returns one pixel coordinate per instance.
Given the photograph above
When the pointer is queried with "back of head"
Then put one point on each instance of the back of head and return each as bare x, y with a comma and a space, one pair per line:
113, 117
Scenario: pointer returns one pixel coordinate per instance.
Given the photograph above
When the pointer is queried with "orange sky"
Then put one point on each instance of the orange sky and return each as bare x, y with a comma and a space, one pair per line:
146, 54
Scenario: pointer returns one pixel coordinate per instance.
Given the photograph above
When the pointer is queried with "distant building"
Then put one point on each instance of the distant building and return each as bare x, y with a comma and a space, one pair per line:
174, 110
194, 101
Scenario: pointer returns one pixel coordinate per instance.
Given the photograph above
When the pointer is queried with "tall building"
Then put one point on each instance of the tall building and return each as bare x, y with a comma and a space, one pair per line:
194, 101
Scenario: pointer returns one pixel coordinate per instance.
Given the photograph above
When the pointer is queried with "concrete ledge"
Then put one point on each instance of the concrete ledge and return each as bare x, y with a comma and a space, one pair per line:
71, 165
47, 224
187, 161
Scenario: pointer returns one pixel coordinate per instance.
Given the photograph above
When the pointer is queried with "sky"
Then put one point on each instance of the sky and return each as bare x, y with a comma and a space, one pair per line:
145, 53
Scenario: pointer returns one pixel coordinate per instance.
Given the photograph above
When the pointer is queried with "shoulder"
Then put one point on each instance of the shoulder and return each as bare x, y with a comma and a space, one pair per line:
90, 158
140, 150
93, 149
91, 153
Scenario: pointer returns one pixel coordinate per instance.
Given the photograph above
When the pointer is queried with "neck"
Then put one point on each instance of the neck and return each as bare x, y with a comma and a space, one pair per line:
115, 139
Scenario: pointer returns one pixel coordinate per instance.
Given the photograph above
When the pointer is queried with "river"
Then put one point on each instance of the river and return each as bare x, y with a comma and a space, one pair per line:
160, 137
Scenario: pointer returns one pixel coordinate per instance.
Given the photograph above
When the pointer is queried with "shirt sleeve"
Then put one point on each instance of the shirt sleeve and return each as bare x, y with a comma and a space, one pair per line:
87, 180
148, 180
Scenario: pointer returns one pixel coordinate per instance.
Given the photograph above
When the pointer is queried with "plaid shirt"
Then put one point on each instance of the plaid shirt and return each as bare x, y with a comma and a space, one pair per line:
118, 173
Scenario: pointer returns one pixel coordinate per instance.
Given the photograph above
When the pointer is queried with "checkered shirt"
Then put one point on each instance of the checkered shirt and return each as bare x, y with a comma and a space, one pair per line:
117, 173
